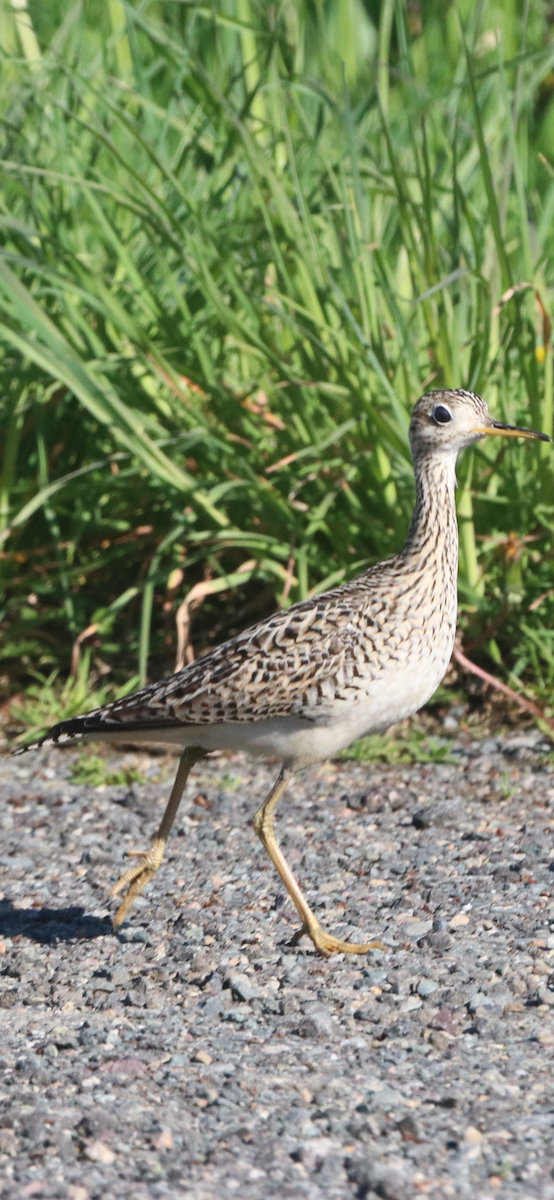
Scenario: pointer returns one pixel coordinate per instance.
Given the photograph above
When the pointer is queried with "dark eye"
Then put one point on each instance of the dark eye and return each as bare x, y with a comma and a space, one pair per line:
441, 415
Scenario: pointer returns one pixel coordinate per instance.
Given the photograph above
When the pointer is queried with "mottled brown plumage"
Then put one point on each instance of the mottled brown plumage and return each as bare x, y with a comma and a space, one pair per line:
308, 681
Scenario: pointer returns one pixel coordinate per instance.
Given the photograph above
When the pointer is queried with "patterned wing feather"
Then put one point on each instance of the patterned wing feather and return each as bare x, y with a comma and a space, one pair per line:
266, 672
293, 663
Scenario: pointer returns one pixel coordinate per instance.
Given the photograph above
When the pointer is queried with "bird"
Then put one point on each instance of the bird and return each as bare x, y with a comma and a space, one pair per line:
308, 681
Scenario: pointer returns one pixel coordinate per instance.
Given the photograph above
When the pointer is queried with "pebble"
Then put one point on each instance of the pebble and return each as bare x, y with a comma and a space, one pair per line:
202, 1056
427, 987
241, 986
164, 1141
411, 1004
317, 1026
439, 1039
314, 1150
100, 1153
199, 1054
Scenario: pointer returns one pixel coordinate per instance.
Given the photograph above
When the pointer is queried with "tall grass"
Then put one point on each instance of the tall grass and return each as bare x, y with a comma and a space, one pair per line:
238, 241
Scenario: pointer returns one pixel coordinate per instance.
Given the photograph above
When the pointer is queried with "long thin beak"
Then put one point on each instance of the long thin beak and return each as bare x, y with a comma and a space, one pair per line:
512, 431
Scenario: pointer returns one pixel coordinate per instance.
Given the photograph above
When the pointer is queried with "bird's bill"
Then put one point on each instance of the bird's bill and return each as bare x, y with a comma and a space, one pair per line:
511, 431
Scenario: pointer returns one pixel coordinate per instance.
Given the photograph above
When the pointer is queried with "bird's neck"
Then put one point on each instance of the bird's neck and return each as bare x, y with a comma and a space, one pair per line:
433, 529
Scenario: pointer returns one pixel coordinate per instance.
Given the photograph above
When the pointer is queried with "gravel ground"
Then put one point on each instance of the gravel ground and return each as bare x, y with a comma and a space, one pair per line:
198, 1055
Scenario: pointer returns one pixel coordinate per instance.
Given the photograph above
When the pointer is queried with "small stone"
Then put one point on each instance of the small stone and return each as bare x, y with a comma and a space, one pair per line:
422, 819
375, 956
100, 1153
367, 1013
444, 1020
238, 1015
459, 921
445, 813
408, 1129
411, 1004
378, 1178
398, 799
213, 1007
135, 999
546, 1037
545, 995
447, 1102
8, 998
473, 1135
140, 935
426, 987
313, 1151
439, 1040
515, 1006
414, 930
77, 1193
366, 802
440, 941
479, 1000
318, 1026
131, 1066
164, 1140
241, 986
457, 997
202, 1056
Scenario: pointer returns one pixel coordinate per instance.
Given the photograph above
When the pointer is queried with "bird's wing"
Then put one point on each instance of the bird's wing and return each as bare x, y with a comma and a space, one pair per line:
297, 662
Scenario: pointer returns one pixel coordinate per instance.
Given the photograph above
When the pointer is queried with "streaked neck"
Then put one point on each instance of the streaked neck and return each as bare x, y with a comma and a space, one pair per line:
433, 525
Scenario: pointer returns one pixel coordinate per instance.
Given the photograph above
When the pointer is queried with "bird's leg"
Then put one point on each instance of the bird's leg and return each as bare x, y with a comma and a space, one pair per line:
263, 824
137, 877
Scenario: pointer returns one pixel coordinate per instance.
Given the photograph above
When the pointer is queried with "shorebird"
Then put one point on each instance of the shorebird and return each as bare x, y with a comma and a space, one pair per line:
306, 683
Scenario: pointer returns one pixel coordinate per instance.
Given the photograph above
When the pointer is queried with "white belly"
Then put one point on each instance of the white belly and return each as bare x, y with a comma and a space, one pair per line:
297, 741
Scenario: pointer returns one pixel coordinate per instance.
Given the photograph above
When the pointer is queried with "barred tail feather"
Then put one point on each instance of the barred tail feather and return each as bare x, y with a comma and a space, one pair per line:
72, 730
97, 726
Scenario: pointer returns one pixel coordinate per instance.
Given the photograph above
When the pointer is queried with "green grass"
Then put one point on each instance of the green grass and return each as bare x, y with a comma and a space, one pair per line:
416, 746
47, 700
237, 242
95, 772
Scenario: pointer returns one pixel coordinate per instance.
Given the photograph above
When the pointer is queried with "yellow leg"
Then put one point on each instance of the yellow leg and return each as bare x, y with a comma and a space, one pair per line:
137, 877
263, 824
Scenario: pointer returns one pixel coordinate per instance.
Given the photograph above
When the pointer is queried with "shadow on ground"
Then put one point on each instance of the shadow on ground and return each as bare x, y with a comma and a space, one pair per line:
47, 925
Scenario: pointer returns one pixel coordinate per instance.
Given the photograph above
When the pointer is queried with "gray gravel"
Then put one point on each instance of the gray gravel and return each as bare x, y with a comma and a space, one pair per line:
198, 1055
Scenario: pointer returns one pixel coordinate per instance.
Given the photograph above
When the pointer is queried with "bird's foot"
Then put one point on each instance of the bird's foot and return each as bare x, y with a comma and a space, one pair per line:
137, 877
326, 944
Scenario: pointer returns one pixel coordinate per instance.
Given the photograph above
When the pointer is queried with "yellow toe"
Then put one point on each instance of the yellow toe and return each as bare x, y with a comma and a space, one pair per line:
326, 944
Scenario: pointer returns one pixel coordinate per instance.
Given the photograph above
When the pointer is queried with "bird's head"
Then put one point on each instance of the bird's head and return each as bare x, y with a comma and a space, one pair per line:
445, 422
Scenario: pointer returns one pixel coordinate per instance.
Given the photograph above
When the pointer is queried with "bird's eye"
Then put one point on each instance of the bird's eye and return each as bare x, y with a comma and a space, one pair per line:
441, 415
